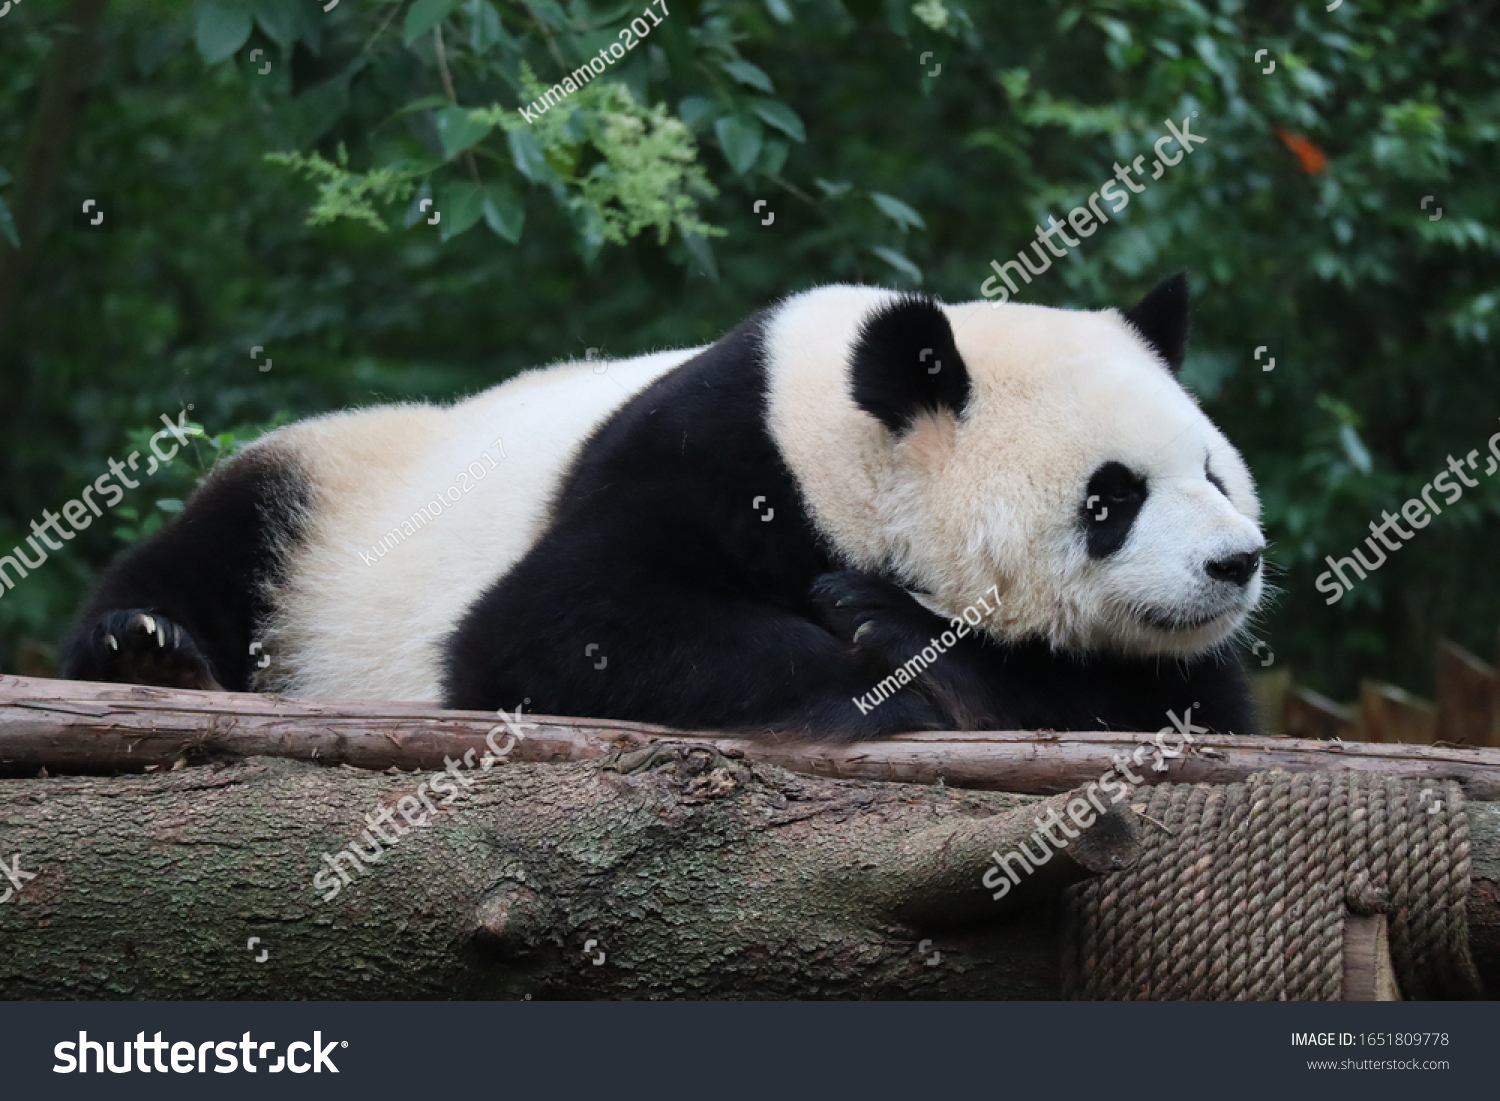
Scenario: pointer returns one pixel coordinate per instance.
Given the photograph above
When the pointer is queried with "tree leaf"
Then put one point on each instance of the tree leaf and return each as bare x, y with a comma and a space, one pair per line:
221, 28
778, 114
741, 141
899, 262
504, 212
423, 15
529, 159
779, 11
746, 73
773, 156
280, 19
485, 28
1355, 448
461, 205
457, 131
894, 209
696, 110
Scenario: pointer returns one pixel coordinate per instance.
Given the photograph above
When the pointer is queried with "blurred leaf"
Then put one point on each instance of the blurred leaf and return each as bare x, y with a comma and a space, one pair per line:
1354, 447
778, 114
779, 11
747, 73
894, 209
423, 15
741, 141
280, 19
694, 110
462, 205
899, 262
528, 156
457, 131
504, 212
222, 27
485, 29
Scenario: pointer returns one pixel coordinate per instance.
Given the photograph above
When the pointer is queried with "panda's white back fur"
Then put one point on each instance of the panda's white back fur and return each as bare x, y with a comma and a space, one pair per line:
346, 627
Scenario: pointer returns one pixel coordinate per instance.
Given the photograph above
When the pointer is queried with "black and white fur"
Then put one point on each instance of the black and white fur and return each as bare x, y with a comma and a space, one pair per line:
731, 536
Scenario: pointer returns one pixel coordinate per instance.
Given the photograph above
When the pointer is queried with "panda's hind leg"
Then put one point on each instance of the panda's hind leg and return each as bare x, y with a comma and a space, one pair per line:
136, 647
182, 608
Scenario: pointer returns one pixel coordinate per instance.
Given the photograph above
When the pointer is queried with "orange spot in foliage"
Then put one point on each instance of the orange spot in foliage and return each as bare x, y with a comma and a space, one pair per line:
1312, 158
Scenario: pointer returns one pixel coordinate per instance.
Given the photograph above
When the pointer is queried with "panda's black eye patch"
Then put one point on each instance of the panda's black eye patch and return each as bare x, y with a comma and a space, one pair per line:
1112, 501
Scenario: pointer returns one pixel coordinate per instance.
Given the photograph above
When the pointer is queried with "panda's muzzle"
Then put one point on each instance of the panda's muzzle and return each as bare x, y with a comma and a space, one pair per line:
1237, 569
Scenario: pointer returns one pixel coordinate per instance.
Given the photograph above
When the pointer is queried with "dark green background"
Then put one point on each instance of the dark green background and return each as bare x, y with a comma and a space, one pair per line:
1381, 321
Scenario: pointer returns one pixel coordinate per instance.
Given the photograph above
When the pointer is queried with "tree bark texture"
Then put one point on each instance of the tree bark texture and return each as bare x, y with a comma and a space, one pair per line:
690, 875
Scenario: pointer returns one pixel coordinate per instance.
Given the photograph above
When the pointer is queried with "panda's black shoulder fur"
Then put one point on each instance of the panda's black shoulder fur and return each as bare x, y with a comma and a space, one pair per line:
673, 580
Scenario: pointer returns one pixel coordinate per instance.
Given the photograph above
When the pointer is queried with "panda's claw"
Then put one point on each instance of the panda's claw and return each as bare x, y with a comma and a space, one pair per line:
132, 646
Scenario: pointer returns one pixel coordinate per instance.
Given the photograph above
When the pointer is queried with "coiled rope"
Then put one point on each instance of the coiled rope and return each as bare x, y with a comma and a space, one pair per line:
1242, 891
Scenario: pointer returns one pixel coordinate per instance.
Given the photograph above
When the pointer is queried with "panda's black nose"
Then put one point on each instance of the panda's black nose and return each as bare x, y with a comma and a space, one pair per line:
1237, 569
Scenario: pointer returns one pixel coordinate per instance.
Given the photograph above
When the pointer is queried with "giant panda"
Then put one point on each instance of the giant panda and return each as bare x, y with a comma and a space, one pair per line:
746, 535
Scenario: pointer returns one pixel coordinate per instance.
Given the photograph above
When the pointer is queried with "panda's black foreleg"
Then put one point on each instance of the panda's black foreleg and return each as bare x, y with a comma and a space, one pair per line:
632, 642
180, 608
884, 621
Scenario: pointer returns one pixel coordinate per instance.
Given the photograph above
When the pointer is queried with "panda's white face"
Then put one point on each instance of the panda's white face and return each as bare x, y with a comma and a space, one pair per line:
1080, 480
1086, 484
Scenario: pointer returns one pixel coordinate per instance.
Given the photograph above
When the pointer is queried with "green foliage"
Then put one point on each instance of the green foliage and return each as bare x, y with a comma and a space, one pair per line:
345, 194
893, 141
644, 173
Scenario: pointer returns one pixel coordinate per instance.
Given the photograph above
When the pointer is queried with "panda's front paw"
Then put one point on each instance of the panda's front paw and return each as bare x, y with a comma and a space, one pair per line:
871, 613
133, 646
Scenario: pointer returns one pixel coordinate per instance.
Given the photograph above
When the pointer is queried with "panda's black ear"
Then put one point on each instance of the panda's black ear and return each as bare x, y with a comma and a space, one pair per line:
1161, 318
905, 363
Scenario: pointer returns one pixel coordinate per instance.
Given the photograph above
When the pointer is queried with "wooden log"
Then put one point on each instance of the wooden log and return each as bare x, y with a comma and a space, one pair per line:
99, 729
1369, 975
1392, 715
1306, 714
1465, 697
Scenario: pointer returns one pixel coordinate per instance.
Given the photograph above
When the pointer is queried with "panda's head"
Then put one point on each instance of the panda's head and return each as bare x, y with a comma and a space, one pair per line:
1047, 455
